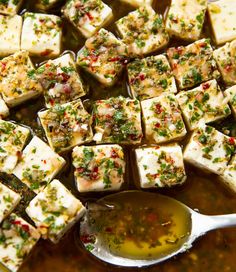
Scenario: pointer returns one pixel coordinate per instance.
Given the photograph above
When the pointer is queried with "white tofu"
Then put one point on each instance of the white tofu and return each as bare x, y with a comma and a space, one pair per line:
150, 77
10, 34
44, 5
12, 140
88, 16
4, 111
117, 120
41, 34
226, 61
60, 80
138, 3
209, 149
205, 104
185, 18
162, 119
103, 56
17, 240
10, 7
160, 166
54, 211
38, 165
66, 126
98, 168
231, 96
229, 175
222, 15
17, 83
193, 64
8, 201
143, 31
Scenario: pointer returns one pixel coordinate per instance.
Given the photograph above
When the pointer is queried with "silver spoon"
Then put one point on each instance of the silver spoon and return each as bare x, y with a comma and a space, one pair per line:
199, 225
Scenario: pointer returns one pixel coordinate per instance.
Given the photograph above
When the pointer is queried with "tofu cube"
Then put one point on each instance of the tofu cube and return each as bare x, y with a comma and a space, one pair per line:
44, 5
205, 103
193, 64
88, 16
99, 168
103, 56
162, 119
222, 15
61, 81
150, 77
54, 211
160, 166
209, 149
229, 175
12, 140
138, 3
66, 126
231, 96
10, 7
17, 81
8, 201
185, 18
143, 31
226, 61
4, 111
41, 35
10, 34
18, 238
117, 120
38, 165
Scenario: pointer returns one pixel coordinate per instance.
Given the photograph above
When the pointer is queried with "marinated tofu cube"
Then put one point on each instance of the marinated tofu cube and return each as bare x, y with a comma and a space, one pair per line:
162, 119
222, 15
160, 166
54, 211
10, 7
117, 120
226, 61
98, 168
103, 56
45, 5
193, 64
209, 149
66, 126
18, 238
4, 111
205, 103
41, 34
138, 3
61, 81
8, 201
229, 175
10, 34
231, 96
185, 18
143, 31
38, 165
12, 140
88, 16
17, 81
150, 77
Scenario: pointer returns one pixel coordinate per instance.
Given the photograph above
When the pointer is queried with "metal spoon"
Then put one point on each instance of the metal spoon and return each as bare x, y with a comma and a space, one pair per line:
200, 225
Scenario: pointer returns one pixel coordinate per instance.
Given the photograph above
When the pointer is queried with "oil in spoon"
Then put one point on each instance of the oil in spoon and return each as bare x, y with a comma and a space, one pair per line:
136, 225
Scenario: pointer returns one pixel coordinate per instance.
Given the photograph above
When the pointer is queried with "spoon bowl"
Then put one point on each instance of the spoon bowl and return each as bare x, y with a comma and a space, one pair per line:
178, 227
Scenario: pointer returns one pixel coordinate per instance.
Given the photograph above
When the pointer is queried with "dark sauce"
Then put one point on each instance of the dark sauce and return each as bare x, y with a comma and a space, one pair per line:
213, 253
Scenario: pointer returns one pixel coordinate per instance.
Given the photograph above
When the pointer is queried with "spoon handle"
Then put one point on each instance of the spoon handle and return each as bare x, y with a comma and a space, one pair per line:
222, 221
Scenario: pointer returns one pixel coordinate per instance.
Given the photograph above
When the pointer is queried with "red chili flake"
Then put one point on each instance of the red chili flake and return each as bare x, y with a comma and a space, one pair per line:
232, 140
174, 66
142, 77
151, 217
46, 52
108, 229
205, 86
47, 65
89, 16
42, 20
64, 77
203, 44
44, 161
158, 109
94, 173
51, 102
23, 226
87, 239
228, 67
67, 89
157, 125
133, 80
114, 154
3, 65
93, 57
80, 170
114, 59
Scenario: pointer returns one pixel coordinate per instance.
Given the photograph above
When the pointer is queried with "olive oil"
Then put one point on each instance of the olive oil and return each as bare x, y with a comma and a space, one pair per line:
137, 225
